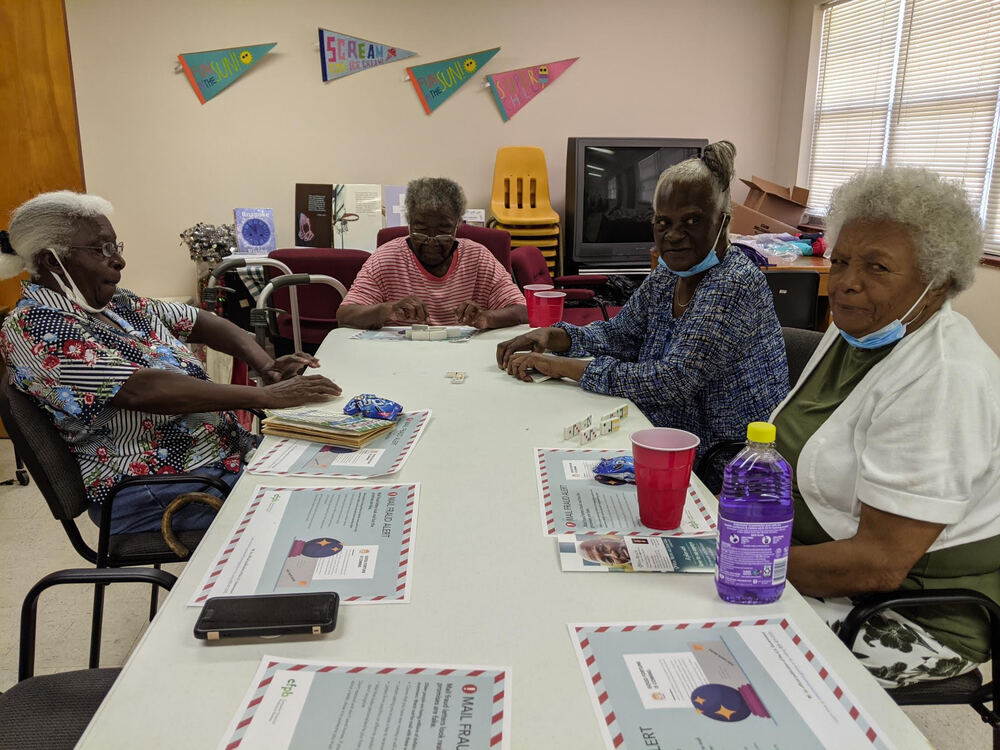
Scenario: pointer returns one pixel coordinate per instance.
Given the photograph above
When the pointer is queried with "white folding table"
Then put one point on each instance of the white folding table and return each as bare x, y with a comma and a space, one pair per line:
487, 586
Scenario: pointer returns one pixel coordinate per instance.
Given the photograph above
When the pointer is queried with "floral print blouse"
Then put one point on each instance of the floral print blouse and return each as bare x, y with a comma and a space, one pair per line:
72, 365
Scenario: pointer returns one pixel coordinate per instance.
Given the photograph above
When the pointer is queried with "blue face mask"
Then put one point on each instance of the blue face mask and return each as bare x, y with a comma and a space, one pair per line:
887, 334
709, 261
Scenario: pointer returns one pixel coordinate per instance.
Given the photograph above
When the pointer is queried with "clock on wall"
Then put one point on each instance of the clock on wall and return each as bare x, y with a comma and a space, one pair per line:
256, 232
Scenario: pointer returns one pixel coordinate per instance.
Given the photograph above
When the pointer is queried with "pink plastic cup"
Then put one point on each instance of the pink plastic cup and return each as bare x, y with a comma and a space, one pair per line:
663, 460
529, 297
548, 307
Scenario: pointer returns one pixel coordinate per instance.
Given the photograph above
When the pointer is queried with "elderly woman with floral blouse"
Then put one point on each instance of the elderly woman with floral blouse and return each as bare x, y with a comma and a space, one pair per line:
112, 371
698, 346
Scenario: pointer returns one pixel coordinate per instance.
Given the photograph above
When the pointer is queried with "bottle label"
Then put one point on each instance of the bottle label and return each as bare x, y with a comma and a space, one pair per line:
753, 554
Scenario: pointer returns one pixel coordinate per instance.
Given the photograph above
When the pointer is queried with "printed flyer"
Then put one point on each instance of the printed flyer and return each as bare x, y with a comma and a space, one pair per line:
357, 541
731, 684
386, 454
573, 502
598, 553
330, 706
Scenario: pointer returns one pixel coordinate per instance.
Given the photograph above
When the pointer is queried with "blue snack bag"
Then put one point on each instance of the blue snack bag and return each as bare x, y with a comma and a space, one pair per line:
371, 406
617, 470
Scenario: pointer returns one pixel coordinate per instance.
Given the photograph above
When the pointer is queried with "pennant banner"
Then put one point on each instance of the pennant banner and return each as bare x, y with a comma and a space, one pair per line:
436, 81
512, 89
210, 72
342, 55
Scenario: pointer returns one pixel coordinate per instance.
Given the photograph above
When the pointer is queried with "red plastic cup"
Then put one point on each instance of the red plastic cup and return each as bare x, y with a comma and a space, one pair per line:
663, 460
548, 308
529, 298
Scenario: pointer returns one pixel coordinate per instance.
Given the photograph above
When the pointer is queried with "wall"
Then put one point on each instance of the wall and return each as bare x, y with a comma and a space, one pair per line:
647, 68
979, 304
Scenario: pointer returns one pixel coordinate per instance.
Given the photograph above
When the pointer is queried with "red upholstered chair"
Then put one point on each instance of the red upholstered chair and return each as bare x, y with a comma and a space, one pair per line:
496, 241
318, 303
582, 305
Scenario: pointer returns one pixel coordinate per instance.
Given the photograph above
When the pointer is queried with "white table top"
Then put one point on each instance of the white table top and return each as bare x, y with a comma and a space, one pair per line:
487, 587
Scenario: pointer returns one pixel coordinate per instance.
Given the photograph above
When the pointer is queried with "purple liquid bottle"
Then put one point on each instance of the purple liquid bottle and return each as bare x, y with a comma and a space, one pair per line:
755, 521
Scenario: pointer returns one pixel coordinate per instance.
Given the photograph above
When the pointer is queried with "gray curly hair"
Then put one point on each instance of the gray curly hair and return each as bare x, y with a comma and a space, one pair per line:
46, 222
435, 194
715, 165
935, 211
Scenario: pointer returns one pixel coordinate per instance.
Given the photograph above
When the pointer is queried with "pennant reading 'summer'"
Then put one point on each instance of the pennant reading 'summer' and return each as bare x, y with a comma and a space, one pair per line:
436, 81
514, 88
342, 55
212, 71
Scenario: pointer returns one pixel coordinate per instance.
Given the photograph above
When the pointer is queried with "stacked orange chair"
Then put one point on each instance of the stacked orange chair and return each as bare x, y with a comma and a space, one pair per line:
520, 203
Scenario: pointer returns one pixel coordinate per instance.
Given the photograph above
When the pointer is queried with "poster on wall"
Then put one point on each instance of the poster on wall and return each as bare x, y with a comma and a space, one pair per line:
512, 89
357, 212
254, 230
212, 71
395, 205
436, 81
341, 55
313, 215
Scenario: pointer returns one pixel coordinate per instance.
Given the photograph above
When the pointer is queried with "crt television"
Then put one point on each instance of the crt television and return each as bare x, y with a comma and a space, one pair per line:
609, 196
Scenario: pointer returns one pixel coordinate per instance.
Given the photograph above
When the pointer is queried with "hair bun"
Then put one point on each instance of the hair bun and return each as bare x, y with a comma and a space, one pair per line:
719, 157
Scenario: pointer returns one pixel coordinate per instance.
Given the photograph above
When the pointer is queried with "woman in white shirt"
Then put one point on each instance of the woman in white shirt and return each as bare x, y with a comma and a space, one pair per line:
893, 429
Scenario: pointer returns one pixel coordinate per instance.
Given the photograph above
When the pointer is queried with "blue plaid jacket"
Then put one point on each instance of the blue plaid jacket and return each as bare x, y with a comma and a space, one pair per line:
713, 370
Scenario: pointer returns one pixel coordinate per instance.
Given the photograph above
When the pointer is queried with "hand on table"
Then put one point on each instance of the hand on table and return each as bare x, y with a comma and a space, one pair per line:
520, 365
536, 340
470, 313
299, 390
409, 309
287, 366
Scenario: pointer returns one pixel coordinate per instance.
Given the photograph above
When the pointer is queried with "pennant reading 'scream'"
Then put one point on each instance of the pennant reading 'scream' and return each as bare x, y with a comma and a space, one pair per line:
210, 72
436, 81
512, 89
342, 55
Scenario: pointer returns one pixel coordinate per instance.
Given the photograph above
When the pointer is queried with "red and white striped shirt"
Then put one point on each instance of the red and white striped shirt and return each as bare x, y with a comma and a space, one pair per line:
393, 272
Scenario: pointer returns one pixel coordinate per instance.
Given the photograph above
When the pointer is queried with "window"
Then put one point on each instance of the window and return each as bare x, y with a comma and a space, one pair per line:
913, 82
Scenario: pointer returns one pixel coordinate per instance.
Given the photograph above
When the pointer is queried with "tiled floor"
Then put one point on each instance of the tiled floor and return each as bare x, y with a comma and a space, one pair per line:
32, 544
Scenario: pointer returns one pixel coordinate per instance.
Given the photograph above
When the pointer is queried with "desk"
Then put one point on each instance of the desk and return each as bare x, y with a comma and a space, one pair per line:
496, 598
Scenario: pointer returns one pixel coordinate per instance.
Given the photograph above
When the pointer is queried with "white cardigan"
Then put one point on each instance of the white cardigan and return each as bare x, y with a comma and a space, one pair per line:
919, 437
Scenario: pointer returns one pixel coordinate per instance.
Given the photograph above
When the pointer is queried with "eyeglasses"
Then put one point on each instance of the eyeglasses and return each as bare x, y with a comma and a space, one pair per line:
107, 249
442, 240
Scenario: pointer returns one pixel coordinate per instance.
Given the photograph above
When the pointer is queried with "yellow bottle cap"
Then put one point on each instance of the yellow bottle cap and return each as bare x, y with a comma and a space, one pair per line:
761, 432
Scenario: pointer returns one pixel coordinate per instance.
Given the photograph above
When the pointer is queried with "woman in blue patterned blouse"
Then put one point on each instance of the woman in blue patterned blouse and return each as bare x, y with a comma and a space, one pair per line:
698, 346
112, 371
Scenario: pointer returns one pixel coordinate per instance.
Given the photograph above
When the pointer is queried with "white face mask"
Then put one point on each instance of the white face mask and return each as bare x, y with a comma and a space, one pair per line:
72, 291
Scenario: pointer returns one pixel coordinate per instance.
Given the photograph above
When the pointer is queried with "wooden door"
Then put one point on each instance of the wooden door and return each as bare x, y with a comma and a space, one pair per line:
40, 136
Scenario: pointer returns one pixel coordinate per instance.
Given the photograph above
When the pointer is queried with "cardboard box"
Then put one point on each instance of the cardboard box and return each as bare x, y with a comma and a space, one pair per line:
747, 221
787, 205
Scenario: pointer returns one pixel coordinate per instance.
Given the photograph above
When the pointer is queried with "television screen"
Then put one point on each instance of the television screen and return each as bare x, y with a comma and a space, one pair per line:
609, 195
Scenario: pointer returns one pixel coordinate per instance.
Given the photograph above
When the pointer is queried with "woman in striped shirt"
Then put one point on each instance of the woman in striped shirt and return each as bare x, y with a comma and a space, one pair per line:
431, 276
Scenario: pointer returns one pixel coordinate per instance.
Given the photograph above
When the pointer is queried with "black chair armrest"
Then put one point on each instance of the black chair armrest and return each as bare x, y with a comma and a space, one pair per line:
29, 610
721, 448
871, 604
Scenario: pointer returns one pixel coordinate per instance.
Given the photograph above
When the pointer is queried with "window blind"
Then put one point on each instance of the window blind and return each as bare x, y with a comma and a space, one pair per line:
912, 82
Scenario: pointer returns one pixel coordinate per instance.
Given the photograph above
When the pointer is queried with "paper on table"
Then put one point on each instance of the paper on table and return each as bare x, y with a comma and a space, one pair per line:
594, 553
734, 683
418, 706
386, 454
398, 333
319, 539
573, 502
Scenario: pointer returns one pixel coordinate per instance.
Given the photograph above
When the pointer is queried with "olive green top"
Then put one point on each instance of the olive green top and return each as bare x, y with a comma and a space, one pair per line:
969, 566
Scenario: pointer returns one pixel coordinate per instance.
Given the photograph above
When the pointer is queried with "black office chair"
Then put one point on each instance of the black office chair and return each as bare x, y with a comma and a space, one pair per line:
58, 477
796, 297
52, 712
799, 347
967, 688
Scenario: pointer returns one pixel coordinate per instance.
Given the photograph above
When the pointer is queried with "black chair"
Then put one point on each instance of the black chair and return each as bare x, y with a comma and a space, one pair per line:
58, 477
796, 297
52, 712
799, 347
967, 688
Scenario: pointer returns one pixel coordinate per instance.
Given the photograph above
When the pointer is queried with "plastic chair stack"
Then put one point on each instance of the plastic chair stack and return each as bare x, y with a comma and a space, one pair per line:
520, 203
